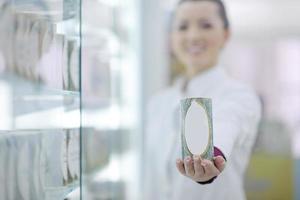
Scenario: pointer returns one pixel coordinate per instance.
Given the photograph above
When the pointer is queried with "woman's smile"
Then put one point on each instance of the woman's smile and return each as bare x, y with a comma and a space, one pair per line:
198, 35
195, 49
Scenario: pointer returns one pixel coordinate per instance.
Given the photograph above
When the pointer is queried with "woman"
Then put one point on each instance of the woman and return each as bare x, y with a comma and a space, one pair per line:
199, 32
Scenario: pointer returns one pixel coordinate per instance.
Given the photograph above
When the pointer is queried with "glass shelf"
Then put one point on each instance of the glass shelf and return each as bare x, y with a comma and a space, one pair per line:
113, 117
31, 104
67, 95
39, 99
55, 9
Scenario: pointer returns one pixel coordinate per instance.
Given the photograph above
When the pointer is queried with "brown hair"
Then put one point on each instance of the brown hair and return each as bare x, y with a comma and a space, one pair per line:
222, 10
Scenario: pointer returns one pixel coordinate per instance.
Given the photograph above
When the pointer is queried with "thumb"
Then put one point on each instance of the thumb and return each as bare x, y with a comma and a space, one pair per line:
220, 163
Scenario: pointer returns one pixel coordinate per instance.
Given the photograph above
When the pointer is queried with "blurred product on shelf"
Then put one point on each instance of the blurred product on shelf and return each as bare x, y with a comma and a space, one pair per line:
33, 169
93, 142
34, 48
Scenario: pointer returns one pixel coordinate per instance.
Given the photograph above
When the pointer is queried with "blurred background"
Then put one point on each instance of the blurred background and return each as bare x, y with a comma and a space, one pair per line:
76, 76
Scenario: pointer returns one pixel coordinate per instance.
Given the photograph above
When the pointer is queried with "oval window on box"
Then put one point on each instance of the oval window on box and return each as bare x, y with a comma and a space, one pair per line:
196, 129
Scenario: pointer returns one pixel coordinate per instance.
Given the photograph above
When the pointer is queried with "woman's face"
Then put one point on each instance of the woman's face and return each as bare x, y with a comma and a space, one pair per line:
198, 35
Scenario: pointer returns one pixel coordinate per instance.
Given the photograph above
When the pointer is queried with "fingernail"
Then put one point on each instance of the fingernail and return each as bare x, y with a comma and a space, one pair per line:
196, 158
178, 161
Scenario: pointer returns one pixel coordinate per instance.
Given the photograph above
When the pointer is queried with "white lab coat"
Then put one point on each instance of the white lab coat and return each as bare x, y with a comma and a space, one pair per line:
236, 113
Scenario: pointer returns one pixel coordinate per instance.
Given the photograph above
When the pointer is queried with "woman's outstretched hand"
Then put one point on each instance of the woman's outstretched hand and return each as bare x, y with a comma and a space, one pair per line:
200, 170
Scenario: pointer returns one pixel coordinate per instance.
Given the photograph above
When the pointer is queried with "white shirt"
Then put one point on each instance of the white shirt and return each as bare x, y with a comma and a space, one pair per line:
236, 113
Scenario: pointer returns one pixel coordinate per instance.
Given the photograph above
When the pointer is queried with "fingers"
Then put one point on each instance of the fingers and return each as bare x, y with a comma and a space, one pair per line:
219, 163
209, 169
185, 167
180, 166
199, 171
189, 166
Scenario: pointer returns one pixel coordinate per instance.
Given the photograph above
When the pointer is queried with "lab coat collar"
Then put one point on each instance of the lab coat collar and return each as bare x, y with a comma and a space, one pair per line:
204, 79
201, 83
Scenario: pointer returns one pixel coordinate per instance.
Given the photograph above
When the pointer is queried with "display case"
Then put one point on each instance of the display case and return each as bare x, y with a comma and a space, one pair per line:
39, 99
111, 100
70, 93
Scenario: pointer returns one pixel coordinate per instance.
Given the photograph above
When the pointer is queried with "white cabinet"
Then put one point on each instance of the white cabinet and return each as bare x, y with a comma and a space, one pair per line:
70, 120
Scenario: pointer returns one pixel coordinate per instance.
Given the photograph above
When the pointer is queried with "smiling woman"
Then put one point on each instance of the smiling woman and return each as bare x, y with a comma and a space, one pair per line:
200, 30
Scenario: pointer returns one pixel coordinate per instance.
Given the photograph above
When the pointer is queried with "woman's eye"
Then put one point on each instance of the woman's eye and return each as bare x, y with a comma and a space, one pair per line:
183, 27
206, 25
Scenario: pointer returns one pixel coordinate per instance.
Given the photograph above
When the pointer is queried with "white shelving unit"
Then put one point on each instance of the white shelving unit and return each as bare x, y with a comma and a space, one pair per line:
40, 97
65, 97
111, 78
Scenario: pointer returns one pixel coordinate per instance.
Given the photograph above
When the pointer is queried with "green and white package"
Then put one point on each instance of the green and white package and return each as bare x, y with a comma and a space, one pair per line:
196, 127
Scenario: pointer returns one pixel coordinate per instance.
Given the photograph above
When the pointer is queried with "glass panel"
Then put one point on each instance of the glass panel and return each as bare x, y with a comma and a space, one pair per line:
40, 98
110, 100
40, 64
